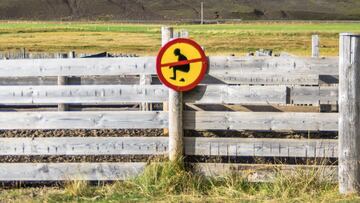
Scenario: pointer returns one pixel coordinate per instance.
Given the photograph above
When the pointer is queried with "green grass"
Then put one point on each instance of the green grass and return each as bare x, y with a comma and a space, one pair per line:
144, 39
169, 182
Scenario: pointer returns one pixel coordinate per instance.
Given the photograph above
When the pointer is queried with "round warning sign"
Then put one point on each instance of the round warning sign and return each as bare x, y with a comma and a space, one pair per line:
181, 64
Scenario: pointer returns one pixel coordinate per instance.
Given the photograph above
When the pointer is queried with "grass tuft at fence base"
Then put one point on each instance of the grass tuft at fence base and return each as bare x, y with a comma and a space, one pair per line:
170, 181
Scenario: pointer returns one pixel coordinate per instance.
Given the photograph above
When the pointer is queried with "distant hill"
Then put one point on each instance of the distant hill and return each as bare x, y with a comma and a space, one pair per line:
179, 9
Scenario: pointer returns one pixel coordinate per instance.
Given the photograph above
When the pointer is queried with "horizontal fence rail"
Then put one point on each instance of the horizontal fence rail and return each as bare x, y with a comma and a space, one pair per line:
235, 79
211, 94
69, 171
84, 146
83, 120
261, 147
271, 65
314, 95
139, 93
278, 121
77, 67
146, 65
198, 146
122, 171
262, 79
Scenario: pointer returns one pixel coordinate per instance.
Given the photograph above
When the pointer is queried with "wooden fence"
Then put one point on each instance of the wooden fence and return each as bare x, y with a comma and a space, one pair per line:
273, 83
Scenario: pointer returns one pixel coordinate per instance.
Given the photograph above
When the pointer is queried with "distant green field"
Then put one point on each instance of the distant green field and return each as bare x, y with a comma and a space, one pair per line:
144, 39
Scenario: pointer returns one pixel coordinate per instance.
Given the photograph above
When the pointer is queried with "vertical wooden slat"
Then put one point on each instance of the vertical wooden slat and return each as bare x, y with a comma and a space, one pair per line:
315, 46
167, 34
349, 119
145, 80
62, 80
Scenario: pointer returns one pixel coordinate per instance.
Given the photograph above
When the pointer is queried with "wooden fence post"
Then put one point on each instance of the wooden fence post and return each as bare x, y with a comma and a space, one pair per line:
62, 80
175, 107
167, 34
349, 110
315, 43
176, 132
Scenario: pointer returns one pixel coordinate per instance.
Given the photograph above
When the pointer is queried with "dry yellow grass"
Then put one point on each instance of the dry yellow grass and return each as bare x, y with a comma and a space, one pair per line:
144, 39
169, 182
80, 41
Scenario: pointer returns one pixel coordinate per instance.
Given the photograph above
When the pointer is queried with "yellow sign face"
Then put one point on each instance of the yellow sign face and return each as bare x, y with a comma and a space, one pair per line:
181, 64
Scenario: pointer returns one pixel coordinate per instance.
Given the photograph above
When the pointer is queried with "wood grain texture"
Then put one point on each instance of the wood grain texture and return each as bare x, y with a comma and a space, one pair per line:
84, 80
83, 120
261, 79
145, 80
146, 65
315, 46
219, 79
110, 94
77, 67
253, 147
278, 121
122, 171
349, 118
271, 65
69, 171
237, 94
84, 146
239, 147
105, 94
314, 95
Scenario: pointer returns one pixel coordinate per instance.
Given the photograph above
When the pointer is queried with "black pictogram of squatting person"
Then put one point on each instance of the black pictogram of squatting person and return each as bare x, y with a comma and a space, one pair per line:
183, 68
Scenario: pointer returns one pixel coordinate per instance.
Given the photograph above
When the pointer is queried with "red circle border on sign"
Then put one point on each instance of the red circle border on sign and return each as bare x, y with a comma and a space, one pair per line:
203, 60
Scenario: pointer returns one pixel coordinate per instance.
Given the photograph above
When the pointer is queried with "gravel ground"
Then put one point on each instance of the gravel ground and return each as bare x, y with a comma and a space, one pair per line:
82, 133
159, 133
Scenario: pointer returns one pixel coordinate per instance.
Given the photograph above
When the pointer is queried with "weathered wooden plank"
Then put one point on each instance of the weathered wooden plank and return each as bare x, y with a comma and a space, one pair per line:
261, 79
110, 94
123, 171
329, 94
85, 80
349, 108
145, 80
315, 46
278, 121
83, 120
267, 173
237, 94
84, 146
159, 146
271, 65
77, 67
314, 95
261, 147
82, 94
146, 65
193, 120
244, 79
69, 171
